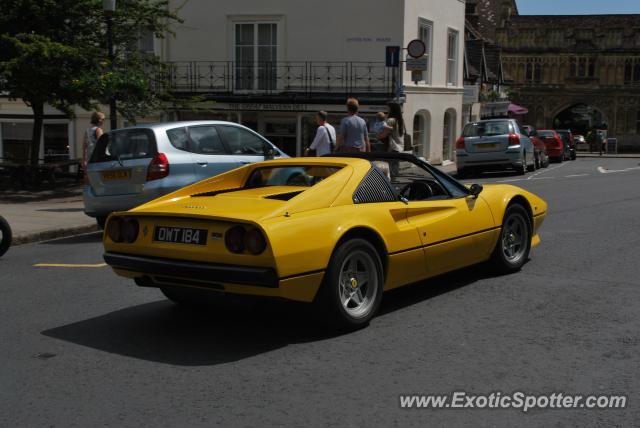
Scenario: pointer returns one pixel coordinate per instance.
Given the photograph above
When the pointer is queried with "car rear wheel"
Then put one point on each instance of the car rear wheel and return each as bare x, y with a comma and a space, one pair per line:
5, 236
352, 289
514, 244
522, 169
101, 220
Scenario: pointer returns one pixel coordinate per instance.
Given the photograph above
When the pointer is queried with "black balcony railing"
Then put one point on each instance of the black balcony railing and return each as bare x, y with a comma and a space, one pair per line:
280, 78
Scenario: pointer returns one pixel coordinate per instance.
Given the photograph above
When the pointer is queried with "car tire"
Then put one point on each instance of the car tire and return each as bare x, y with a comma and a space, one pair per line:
348, 299
522, 169
5, 236
514, 244
101, 220
532, 167
538, 162
546, 162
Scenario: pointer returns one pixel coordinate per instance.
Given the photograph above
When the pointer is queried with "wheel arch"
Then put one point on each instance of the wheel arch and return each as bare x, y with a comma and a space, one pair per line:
373, 238
521, 200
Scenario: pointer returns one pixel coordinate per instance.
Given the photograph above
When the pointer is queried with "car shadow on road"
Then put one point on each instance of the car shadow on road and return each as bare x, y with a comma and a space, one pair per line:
221, 333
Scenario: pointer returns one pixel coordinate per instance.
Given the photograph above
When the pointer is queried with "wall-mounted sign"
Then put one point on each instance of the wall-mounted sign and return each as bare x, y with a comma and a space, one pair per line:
392, 56
417, 64
416, 48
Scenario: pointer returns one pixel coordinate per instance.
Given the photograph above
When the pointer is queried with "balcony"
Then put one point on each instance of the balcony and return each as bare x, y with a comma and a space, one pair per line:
281, 81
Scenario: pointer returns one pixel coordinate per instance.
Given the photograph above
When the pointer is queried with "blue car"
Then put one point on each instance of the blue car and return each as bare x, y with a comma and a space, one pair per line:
135, 165
494, 144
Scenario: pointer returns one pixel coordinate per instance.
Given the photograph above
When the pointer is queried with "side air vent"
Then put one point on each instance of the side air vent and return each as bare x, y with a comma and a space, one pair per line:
374, 188
284, 196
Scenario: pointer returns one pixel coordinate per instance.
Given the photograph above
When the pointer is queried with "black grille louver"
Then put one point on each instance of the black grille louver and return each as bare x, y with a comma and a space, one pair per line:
374, 188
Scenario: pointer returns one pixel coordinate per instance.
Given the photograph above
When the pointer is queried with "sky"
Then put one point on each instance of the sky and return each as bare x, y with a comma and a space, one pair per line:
577, 7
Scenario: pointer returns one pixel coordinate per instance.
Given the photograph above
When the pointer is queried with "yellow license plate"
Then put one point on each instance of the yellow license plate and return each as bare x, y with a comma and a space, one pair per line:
124, 174
491, 146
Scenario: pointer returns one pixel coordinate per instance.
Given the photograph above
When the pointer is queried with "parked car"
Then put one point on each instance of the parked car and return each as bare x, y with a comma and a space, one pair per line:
134, 165
338, 241
581, 143
567, 138
556, 148
494, 144
541, 157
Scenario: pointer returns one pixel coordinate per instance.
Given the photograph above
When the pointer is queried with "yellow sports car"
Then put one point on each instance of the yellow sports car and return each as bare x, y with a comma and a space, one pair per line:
336, 231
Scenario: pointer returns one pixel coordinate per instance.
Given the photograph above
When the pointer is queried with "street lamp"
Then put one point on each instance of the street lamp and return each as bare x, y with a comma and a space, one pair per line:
109, 7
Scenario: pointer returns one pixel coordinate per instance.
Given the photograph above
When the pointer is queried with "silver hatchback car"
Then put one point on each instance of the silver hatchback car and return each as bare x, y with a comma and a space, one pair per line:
135, 165
494, 144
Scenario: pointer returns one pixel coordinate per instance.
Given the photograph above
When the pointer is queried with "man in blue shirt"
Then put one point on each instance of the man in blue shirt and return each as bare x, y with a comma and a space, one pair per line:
354, 136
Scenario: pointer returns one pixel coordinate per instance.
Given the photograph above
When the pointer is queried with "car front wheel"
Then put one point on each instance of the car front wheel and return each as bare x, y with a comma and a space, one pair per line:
514, 245
352, 288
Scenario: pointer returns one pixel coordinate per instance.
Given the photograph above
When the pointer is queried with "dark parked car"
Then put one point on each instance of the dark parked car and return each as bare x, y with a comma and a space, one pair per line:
540, 150
567, 139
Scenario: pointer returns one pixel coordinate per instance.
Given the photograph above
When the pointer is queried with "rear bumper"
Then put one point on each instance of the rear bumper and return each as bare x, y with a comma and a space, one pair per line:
234, 279
508, 158
206, 272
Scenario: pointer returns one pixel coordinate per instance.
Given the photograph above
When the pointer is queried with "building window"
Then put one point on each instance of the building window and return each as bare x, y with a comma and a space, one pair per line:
533, 72
256, 54
631, 71
452, 58
425, 33
582, 67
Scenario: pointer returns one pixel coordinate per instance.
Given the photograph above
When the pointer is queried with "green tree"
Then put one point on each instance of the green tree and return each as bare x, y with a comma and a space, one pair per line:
54, 52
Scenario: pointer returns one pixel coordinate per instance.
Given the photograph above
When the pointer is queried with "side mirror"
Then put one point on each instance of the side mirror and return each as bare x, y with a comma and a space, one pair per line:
475, 190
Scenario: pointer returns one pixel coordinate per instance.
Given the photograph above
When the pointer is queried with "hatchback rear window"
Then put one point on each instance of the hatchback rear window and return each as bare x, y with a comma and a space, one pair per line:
125, 145
487, 129
545, 134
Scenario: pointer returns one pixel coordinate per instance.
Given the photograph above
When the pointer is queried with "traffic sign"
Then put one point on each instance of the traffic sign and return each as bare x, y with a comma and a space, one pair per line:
416, 48
392, 56
417, 64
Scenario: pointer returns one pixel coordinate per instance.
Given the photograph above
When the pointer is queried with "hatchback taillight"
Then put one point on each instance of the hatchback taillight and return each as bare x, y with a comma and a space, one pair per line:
158, 168
460, 143
514, 140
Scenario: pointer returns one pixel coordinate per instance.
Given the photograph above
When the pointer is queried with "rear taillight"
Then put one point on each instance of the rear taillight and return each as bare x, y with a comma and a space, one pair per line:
460, 143
514, 140
234, 239
114, 229
158, 168
129, 230
254, 241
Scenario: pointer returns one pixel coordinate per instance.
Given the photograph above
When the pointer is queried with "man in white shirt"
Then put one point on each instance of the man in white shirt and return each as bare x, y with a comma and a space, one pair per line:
325, 139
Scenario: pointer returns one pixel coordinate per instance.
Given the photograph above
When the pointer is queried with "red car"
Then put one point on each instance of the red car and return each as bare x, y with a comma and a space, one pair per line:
540, 149
556, 148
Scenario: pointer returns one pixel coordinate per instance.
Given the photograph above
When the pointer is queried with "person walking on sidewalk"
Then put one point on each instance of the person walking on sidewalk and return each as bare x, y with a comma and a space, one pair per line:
394, 130
92, 135
377, 128
325, 140
354, 136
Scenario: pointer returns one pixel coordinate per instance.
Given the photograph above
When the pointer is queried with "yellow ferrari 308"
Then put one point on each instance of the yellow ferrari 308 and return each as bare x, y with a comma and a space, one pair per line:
336, 231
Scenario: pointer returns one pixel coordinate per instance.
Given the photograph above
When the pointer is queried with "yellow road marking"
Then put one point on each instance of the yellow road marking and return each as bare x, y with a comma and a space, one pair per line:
64, 265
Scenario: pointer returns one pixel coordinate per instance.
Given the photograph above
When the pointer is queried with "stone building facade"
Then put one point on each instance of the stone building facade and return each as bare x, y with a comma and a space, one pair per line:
588, 66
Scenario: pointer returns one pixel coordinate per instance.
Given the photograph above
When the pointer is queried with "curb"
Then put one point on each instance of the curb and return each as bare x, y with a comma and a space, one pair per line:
53, 234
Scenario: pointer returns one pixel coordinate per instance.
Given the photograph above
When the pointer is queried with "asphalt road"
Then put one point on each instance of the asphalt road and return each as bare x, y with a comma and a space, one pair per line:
82, 347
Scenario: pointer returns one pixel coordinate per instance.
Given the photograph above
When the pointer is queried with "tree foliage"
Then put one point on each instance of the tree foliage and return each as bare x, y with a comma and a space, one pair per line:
54, 52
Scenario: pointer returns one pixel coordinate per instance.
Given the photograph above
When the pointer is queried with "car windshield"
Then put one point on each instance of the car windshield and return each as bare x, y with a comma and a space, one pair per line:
487, 129
299, 175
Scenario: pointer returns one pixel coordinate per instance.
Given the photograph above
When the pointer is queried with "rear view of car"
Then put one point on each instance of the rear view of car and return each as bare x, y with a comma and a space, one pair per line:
494, 144
567, 138
556, 148
135, 165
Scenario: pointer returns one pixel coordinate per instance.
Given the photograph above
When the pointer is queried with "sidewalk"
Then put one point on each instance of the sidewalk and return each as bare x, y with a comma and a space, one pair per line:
49, 219
614, 156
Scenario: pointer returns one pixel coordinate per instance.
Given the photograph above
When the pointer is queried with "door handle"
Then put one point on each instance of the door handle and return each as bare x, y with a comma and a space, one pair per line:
203, 163
245, 162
